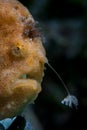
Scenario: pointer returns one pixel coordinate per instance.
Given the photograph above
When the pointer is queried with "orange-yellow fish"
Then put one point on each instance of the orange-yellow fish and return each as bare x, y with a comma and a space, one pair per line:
21, 54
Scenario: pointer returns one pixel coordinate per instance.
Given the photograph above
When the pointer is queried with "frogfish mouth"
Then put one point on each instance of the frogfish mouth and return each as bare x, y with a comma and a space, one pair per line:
22, 58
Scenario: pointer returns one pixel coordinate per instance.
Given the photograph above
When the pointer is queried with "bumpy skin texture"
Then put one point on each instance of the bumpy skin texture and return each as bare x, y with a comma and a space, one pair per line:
21, 53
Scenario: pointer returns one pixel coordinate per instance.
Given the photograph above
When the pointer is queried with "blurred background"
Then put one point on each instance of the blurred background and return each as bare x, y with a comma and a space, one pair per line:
63, 24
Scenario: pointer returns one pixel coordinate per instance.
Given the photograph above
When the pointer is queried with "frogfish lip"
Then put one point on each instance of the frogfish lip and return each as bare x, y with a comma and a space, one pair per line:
28, 87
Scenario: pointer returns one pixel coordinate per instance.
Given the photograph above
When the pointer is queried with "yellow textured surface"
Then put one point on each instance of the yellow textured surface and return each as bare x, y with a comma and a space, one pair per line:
21, 53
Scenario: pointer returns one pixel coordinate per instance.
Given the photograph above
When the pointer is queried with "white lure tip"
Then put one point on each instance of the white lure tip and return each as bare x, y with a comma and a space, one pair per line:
70, 100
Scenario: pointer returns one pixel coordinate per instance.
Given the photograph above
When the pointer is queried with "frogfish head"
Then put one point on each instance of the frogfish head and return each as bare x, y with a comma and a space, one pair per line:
22, 58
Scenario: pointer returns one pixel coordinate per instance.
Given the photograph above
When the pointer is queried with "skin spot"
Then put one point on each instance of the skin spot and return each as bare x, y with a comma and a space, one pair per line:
9, 106
31, 31
1, 59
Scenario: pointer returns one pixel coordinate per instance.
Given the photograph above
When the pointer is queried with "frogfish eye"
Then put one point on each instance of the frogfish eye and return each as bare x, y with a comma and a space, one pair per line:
16, 51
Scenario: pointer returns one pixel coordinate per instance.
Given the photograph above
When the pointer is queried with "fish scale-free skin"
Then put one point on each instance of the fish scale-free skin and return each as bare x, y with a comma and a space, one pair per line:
19, 55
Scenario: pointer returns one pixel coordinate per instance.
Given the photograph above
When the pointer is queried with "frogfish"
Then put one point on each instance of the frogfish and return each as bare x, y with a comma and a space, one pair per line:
22, 58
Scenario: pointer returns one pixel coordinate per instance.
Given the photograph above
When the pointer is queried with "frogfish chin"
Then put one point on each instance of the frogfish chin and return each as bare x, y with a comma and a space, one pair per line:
22, 58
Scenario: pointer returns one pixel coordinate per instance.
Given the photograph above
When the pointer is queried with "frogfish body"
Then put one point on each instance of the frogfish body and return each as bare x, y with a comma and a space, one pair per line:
21, 55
